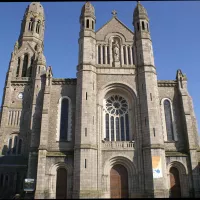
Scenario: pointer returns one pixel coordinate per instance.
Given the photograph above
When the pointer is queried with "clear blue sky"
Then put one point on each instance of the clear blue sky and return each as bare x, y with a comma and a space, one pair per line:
174, 27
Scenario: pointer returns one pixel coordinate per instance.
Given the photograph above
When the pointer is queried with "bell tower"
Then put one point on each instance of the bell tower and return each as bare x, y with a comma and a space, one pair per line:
23, 93
151, 129
85, 151
33, 24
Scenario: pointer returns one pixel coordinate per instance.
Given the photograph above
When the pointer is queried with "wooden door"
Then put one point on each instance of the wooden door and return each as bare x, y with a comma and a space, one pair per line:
175, 188
61, 184
119, 182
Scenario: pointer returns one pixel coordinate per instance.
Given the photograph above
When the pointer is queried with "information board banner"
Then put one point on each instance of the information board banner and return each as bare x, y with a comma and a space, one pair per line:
157, 167
29, 185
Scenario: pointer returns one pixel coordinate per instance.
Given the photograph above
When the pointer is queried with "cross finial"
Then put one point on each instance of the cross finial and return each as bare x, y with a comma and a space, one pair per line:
114, 13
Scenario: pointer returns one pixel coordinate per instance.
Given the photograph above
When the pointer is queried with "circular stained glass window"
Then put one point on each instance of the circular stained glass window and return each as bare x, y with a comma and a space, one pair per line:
116, 105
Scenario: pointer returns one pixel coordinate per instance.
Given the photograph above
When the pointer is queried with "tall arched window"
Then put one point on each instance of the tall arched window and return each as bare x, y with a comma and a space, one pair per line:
15, 145
38, 26
104, 56
87, 23
116, 119
108, 55
129, 55
25, 65
31, 67
9, 145
124, 51
99, 54
168, 121
18, 66
64, 119
31, 23
19, 150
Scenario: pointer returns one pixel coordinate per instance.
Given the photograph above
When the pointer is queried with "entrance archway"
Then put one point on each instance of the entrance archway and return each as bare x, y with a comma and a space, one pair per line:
175, 188
118, 182
61, 184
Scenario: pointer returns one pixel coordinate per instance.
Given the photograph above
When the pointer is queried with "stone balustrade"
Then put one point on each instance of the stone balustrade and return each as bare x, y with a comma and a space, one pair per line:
117, 145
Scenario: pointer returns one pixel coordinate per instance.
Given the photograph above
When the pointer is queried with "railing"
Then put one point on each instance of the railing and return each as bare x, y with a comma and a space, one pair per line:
118, 145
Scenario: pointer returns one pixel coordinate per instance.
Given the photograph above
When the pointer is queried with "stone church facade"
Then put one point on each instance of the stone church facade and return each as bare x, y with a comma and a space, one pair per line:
113, 131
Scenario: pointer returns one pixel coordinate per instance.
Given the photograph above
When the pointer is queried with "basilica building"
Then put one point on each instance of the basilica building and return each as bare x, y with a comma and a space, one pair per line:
114, 131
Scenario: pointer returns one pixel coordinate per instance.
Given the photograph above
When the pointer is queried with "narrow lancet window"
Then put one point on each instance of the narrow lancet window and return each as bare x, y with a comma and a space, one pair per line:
15, 145
18, 66
38, 26
31, 23
25, 66
87, 23
124, 51
64, 119
143, 28
168, 120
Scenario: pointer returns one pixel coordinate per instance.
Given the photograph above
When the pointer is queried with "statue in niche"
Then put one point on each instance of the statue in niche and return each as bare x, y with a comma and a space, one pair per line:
116, 51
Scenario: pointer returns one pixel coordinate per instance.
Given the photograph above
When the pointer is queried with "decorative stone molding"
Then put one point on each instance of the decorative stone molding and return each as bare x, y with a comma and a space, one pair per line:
64, 81
167, 83
21, 81
175, 154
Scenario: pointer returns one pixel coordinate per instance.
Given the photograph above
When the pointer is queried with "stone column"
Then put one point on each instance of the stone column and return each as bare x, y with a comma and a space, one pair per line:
131, 54
97, 54
106, 54
126, 49
101, 50
111, 57
122, 55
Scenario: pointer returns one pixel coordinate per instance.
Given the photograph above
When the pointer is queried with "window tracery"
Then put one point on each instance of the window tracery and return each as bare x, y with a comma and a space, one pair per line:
116, 118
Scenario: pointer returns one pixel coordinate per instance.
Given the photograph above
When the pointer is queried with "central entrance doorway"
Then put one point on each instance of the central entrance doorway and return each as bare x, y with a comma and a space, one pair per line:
61, 184
118, 182
175, 188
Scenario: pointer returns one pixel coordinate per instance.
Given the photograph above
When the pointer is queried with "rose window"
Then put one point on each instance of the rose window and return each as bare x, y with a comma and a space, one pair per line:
116, 105
116, 118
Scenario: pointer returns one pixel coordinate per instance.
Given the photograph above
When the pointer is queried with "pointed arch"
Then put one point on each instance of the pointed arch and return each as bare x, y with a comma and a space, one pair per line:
38, 26
53, 178
128, 165
18, 67
31, 24
25, 65
64, 119
9, 146
183, 177
15, 145
168, 122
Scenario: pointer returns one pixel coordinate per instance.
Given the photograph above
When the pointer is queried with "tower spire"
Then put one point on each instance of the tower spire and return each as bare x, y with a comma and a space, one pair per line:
32, 26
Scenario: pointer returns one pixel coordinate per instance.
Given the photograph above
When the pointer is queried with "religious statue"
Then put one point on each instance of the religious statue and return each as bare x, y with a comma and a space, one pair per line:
116, 51
16, 47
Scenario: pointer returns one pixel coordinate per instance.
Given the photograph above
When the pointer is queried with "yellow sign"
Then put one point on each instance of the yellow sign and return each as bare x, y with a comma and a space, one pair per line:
157, 168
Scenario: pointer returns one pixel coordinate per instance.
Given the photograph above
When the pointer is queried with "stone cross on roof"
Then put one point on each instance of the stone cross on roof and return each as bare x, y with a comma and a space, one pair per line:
114, 13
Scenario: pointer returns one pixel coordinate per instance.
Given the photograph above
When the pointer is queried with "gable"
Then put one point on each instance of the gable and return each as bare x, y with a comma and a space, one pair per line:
25, 48
114, 26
